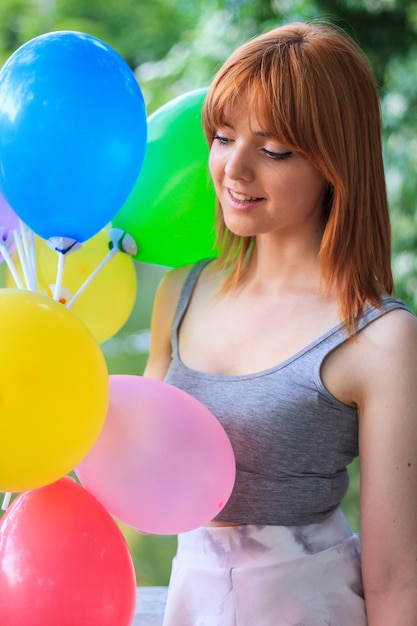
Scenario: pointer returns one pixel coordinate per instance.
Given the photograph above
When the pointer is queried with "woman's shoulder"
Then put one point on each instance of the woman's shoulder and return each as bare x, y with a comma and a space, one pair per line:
163, 312
394, 327
386, 351
174, 283
374, 360
168, 294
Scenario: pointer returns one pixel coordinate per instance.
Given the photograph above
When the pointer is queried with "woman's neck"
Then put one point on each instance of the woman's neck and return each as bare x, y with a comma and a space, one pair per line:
294, 266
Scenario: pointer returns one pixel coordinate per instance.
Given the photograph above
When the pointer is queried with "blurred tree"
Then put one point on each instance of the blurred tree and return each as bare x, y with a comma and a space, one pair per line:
383, 28
137, 29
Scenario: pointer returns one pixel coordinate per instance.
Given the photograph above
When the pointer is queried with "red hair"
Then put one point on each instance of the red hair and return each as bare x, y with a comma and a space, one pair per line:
312, 88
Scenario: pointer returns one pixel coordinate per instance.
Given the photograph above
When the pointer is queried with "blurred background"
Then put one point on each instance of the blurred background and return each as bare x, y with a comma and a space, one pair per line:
174, 46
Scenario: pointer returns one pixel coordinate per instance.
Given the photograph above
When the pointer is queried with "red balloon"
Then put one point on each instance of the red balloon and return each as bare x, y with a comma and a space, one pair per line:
63, 561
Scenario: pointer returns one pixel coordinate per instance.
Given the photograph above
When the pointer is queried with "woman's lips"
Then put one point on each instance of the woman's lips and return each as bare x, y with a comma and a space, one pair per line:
242, 200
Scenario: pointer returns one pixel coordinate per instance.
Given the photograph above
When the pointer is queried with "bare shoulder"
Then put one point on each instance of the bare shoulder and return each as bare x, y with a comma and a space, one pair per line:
392, 337
384, 357
170, 286
166, 298
381, 357
165, 304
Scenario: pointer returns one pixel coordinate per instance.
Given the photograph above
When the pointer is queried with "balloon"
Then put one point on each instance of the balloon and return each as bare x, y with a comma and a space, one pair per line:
8, 222
54, 390
107, 302
163, 463
170, 212
63, 561
73, 134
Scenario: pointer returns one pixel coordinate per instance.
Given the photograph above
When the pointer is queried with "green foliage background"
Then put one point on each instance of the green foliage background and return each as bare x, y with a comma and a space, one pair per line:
175, 46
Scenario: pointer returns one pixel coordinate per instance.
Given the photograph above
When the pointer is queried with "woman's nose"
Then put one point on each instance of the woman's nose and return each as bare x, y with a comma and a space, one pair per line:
238, 165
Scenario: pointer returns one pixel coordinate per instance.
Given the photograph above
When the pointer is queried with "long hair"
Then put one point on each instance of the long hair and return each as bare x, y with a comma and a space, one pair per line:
311, 88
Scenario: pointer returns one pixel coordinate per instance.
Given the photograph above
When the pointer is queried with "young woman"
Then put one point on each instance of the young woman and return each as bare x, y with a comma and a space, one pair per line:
292, 338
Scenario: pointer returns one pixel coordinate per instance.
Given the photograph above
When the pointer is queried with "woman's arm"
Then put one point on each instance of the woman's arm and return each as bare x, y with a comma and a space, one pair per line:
165, 303
388, 462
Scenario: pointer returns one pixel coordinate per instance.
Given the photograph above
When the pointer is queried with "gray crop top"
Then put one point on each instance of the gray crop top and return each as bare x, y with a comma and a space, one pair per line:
292, 439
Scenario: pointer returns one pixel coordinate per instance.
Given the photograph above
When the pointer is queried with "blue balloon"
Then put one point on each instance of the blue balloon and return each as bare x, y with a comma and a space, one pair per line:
72, 134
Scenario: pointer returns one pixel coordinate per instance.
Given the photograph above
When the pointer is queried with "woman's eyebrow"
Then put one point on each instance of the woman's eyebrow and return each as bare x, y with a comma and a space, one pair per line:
258, 133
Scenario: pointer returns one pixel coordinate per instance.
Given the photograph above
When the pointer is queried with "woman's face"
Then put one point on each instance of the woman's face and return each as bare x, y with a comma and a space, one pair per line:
263, 187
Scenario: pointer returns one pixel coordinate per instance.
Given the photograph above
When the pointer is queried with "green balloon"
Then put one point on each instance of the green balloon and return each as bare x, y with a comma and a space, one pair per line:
170, 212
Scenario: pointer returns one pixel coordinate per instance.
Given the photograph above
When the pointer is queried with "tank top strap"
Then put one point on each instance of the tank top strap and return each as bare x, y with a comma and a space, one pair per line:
339, 334
315, 352
184, 300
388, 303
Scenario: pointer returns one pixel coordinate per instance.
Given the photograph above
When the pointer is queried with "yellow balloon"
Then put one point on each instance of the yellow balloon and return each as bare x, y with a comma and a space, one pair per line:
107, 302
54, 390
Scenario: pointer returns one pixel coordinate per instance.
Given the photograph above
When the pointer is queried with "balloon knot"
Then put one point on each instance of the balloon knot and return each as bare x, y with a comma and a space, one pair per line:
64, 245
121, 240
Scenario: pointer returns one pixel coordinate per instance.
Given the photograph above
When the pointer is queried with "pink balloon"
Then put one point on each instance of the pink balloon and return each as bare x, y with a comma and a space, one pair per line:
163, 463
8, 221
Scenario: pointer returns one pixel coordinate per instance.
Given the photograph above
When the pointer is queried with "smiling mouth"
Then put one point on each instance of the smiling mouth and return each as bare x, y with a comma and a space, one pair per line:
242, 197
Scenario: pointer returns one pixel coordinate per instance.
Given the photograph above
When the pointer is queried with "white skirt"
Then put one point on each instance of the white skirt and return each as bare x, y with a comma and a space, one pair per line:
267, 576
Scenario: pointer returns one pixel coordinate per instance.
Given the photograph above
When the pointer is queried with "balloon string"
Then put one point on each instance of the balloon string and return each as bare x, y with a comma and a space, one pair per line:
85, 284
6, 256
32, 249
23, 260
6, 501
29, 257
60, 272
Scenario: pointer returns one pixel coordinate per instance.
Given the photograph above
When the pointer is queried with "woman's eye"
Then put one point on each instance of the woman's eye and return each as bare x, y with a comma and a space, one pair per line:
278, 156
221, 139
